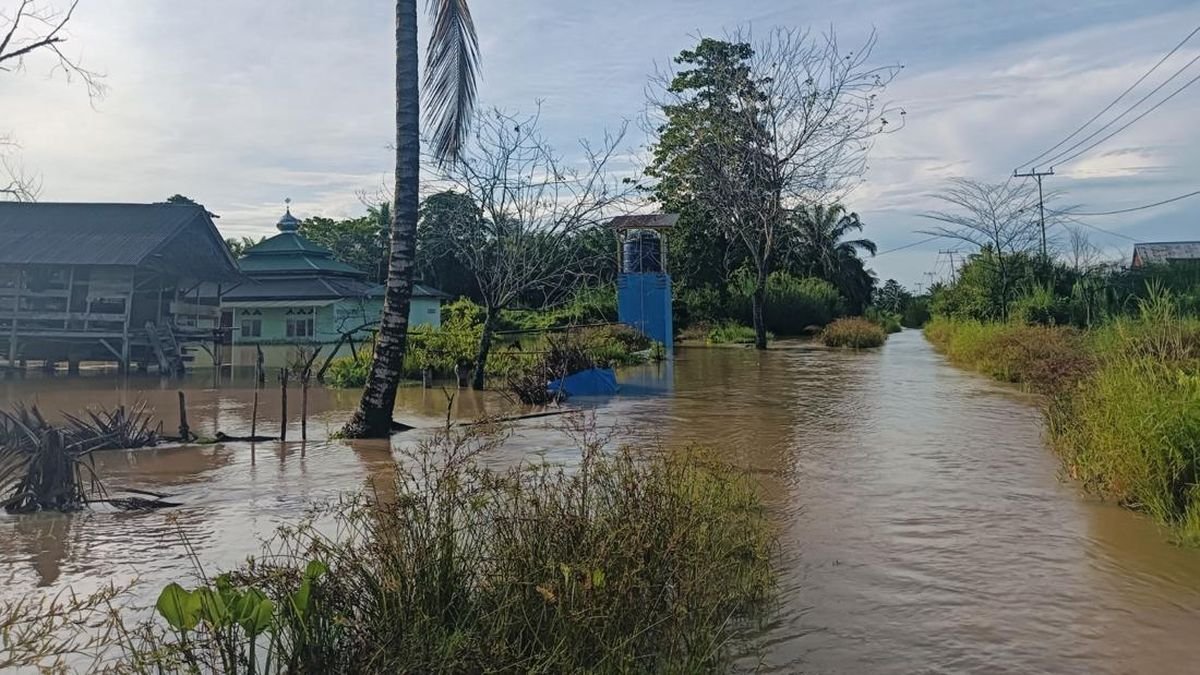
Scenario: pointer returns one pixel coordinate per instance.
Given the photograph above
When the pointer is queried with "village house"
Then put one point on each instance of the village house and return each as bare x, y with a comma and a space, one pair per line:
295, 297
1164, 252
113, 283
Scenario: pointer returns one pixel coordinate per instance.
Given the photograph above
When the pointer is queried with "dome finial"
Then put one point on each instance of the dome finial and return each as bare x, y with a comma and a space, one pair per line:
288, 222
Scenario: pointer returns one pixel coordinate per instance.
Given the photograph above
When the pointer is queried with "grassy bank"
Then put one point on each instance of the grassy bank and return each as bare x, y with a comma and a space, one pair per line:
635, 561
1122, 400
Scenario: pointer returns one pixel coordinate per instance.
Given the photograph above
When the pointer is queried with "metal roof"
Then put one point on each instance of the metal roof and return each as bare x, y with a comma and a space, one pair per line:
647, 221
1153, 253
303, 289
178, 237
273, 304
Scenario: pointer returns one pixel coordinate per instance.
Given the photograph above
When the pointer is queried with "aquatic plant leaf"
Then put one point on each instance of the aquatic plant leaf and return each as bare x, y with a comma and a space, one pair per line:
178, 606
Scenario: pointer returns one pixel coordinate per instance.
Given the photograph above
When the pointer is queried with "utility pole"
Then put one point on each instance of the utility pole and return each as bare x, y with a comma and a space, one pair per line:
1037, 175
953, 268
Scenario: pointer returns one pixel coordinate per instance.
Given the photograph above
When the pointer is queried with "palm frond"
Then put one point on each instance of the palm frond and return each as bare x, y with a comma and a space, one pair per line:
451, 75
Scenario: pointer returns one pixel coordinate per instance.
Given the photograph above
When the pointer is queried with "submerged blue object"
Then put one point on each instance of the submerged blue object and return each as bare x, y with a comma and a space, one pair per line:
591, 382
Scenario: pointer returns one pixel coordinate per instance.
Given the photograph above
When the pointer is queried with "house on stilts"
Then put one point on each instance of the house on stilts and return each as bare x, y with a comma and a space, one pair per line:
115, 283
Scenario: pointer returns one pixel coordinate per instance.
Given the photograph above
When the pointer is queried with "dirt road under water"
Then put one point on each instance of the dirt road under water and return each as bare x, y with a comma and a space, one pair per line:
924, 525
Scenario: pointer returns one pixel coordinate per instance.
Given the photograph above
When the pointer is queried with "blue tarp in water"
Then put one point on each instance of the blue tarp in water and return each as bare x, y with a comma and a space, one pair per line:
592, 382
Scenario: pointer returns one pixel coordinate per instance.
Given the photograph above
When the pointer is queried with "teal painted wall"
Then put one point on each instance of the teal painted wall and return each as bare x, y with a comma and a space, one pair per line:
328, 324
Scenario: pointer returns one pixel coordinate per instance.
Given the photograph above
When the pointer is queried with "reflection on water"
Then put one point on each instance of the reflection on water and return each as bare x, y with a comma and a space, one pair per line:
924, 527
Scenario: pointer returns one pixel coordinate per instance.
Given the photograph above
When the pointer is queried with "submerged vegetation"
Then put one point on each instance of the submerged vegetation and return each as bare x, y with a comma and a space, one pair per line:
1122, 399
635, 560
454, 345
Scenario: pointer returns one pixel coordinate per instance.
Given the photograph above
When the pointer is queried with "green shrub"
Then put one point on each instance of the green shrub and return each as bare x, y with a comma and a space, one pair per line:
888, 321
916, 313
723, 333
699, 306
1039, 306
854, 333
793, 304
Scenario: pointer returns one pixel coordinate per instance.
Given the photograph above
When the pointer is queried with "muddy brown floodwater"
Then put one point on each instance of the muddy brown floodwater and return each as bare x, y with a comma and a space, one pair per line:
924, 526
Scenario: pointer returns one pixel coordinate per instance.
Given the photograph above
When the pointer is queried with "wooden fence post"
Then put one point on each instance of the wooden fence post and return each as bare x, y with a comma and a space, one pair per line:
283, 383
185, 433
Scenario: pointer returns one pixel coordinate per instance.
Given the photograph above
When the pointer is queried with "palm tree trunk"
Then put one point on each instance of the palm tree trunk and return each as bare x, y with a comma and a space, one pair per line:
485, 347
374, 416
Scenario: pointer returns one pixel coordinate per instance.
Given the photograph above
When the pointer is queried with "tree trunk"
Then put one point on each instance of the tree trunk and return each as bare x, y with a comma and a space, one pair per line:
374, 416
757, 305
485, 347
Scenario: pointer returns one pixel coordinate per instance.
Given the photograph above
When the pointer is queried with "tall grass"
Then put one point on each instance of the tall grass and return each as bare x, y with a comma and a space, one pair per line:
1122, 404
854, 333
631, 561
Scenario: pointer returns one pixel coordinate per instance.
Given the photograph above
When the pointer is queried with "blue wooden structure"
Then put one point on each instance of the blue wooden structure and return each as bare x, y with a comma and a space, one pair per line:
643, 284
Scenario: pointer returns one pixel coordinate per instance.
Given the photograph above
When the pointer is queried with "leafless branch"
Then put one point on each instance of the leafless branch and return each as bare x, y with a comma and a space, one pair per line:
531, 204
34, 28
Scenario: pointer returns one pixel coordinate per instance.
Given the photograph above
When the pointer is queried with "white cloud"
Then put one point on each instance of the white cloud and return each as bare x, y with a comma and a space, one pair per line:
242, 104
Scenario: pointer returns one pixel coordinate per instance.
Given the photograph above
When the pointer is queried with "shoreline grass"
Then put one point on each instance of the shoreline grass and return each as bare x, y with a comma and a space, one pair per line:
634, 560
1121, 401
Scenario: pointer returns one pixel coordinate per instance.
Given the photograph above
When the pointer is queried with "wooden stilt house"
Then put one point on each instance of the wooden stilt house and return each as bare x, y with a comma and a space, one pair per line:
115, 283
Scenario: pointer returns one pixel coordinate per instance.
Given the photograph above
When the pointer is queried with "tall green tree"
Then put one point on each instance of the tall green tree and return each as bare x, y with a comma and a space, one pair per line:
355, 241
750, 133
451, 68
818, 247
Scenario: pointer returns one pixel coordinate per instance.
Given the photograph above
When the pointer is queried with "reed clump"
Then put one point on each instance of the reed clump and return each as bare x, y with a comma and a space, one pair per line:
854, 333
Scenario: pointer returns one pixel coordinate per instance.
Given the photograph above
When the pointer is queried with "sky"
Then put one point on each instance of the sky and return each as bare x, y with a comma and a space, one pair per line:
241, 105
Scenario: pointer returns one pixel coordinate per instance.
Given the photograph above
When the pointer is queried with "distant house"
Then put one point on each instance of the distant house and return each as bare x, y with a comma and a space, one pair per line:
296, 295
115, 283
1163, 252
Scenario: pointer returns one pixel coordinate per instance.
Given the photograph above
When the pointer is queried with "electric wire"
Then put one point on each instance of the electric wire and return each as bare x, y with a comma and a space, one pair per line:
1115, 100
1128, 210
1058, 158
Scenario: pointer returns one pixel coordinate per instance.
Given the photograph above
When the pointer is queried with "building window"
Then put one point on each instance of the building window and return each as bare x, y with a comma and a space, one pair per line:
251, 328
299, 327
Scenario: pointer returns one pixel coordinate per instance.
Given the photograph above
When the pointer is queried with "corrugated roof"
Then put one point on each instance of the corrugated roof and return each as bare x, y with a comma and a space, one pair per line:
1154, 253
109, 234
648, 221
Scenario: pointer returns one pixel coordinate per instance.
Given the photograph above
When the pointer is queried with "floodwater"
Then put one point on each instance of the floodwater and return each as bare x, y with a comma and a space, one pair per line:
924, 525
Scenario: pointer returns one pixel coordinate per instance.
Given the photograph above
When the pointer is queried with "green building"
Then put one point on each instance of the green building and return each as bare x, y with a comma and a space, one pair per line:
295, 296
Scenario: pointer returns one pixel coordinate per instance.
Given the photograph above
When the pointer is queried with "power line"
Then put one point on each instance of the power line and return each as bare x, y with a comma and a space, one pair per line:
1100, 229
1056, 159
1130, 209
1117, 99
915, 243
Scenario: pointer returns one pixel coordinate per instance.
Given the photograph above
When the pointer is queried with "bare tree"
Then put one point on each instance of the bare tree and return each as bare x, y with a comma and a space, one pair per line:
1081, 252
525, 208
772, 125
30, 29
998, 218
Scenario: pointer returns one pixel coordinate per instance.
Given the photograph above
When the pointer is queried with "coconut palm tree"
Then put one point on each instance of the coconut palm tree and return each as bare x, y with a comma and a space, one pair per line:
818, 248
451, 71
